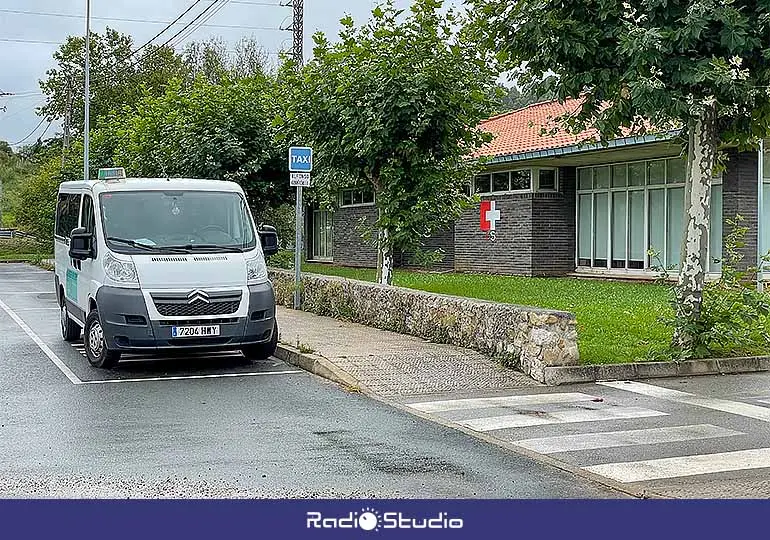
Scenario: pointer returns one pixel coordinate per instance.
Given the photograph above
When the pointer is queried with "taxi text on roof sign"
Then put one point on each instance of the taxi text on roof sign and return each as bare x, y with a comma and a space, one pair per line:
118, 173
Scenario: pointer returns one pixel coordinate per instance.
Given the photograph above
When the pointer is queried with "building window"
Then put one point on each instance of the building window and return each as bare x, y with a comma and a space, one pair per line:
546, 180
481, 184
323, 235
627, 208
357, 197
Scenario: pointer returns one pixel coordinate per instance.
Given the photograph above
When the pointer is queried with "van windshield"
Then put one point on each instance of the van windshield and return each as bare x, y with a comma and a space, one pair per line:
176, 221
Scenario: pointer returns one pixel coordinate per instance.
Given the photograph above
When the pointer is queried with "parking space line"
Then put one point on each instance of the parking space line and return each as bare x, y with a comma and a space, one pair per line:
43, 347
185, 377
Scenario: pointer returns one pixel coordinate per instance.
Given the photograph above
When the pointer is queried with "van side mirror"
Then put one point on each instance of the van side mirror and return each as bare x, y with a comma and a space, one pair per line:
269, 238
82, 245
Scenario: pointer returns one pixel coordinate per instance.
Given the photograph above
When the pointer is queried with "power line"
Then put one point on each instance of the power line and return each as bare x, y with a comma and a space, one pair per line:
32, 132
185, 12
35, 41
141, 21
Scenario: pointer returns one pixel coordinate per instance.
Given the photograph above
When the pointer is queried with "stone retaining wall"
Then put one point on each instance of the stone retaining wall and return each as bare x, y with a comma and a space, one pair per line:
530, 339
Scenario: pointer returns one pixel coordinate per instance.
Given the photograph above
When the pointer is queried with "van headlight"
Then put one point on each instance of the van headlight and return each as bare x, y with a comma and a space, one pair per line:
120, 271
256, 269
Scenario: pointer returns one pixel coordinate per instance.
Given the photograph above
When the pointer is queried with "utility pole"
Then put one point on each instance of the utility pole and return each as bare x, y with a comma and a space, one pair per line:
87, 94
760, 217
298, 31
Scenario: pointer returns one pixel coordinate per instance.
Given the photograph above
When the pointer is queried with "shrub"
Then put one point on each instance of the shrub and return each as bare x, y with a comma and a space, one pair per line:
23, 247
283, 259
35, 203
735, 317
282, 218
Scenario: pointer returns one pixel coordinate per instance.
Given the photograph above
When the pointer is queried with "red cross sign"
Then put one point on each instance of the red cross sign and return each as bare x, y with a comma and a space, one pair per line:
489, 215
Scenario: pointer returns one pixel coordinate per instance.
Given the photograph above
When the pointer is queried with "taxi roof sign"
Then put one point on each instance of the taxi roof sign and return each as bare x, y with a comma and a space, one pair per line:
117, 173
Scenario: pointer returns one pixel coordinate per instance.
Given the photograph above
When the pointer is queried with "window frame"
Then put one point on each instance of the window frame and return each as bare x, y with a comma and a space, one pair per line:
57, 221
354, 192
646, 188
534, 181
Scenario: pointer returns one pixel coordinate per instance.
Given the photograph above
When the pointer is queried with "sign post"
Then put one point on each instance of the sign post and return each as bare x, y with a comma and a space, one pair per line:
300, 167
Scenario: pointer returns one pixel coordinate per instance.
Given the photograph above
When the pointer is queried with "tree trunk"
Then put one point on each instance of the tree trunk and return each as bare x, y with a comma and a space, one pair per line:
385, 257
692, 274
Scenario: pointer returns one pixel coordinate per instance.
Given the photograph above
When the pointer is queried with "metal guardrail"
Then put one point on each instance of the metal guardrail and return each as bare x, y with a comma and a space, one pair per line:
8, 234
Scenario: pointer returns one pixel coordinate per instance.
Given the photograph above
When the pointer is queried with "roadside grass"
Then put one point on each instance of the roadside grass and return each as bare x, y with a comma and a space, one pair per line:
23, 249
617, 321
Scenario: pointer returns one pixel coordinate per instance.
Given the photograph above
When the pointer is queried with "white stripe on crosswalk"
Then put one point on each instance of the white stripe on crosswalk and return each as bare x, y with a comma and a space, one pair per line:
615, 439
505, 401
733, 407
557, 417
655, 469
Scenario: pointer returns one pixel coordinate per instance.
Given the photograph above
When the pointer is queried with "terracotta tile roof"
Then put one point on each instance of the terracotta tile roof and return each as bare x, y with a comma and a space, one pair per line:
519, 131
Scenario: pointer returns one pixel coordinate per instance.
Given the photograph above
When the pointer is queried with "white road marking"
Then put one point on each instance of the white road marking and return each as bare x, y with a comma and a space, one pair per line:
733, 407
557, 417
767, 401
43, 347
655, 469
52, 293
37, 309
616, 439
186, 377
505, 401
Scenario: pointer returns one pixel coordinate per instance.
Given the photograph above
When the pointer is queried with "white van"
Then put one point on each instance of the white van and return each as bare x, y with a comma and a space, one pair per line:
154, 265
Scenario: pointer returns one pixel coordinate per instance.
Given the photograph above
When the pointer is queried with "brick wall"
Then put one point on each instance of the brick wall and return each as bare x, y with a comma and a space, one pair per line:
349, 248
444, 240
511, 252
553, 228
740, 197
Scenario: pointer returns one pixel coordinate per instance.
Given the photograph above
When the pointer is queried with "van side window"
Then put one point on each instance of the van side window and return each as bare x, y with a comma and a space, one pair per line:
67, 213
87, 219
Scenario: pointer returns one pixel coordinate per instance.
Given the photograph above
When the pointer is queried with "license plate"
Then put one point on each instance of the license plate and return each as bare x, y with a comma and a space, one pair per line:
194, 331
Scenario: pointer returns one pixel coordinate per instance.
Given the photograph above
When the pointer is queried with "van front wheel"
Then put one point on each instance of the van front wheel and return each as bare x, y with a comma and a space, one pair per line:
263, 351
96, 345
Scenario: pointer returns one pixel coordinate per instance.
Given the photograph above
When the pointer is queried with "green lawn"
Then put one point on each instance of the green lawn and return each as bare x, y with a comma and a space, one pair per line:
617, 321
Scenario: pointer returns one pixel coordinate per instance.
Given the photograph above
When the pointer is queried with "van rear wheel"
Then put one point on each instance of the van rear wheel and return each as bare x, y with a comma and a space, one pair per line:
70, 330
262, 351
96, 345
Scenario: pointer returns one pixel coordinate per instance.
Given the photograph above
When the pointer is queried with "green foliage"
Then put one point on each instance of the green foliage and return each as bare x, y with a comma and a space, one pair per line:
514, 98
426, 258
283, 218
735, 317
14, 169
217, 131
283, 259
662, 61
23, 249
35, 202
394, 104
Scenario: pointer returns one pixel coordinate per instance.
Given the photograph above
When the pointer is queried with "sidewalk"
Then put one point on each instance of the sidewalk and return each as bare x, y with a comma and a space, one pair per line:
390, 364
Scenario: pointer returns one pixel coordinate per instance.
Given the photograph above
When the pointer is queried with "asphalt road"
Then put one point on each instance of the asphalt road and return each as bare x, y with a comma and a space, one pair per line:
214, 427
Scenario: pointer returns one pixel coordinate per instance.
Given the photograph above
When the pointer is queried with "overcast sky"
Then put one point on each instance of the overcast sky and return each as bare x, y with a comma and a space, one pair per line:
23, 64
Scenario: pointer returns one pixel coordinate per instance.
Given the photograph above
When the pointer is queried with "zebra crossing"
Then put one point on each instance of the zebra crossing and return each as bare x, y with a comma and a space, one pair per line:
626, 432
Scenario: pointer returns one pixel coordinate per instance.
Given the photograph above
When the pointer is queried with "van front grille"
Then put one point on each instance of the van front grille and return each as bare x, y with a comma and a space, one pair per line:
197, 308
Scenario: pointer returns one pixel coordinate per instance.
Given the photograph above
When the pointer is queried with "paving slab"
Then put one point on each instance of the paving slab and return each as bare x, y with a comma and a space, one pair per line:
387, 363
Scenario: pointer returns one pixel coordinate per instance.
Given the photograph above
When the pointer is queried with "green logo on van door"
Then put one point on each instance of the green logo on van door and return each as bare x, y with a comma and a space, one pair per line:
71, 289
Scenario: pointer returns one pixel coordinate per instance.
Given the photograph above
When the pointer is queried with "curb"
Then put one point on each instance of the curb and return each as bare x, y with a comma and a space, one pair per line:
323, 367
318, 365
559, 375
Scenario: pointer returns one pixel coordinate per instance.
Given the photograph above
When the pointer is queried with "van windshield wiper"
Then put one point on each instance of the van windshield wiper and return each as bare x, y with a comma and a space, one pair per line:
139, 245
207, 247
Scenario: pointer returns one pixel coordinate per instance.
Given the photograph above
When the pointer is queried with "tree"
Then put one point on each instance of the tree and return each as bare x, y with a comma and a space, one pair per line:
395, 105
211, 60
117, 76
514, 99
697, 65
217, 131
